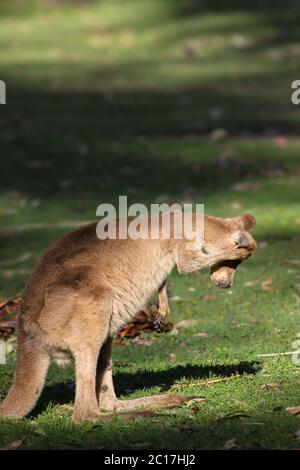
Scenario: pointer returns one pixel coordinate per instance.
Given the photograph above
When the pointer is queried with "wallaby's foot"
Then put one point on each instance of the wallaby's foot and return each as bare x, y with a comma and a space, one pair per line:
108, 403
295, 410
145, 403
156, 401
80, 414
128, 409
144, 407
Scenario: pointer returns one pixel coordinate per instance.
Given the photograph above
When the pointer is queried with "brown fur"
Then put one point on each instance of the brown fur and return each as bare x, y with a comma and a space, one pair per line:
84, 290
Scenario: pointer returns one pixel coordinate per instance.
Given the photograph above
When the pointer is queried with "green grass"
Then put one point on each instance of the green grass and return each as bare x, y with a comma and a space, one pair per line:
109, 98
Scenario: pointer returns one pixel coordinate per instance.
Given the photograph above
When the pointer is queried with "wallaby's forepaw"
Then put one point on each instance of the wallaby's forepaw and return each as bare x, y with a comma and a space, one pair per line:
159, 322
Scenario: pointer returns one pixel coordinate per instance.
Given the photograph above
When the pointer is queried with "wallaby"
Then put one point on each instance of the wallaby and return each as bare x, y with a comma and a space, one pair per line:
84, 289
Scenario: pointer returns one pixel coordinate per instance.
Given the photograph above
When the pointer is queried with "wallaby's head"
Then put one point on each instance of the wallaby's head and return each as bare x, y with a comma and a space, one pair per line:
228, 233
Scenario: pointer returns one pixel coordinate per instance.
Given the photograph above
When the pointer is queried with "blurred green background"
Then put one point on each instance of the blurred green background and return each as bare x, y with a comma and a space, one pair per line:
164, 101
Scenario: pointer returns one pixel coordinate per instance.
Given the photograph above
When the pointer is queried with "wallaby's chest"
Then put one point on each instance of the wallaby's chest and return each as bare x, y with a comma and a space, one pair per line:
134, 292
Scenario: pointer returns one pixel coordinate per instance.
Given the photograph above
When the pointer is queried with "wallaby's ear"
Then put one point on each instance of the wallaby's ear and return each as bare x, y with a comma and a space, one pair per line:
246, 221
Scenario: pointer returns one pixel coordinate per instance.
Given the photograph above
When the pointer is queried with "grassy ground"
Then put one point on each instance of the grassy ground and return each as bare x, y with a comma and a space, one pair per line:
174, 101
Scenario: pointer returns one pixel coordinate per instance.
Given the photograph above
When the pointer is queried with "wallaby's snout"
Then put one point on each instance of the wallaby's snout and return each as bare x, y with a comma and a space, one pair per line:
222, 274
243, 239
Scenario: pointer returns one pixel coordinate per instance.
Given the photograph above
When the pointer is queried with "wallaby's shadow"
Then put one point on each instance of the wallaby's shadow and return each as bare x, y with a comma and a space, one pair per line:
166, 378
126, 383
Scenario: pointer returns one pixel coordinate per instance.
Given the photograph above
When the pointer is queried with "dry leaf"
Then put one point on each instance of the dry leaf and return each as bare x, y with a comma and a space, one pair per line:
245, 186
250, 283
20, 259
186, 323
140, 445
271, 386
173, 357
267, 284
263, 244
293, 262
6, 324
145, 320
209, 297
190, 51
174, 332
234, 415
252, 446
8, 312
218, 134
201, 335
7, 211
176, 298
297, 434
142, 341
187, 427
14, 444
230, 444
274, 173
236, 205
240, 41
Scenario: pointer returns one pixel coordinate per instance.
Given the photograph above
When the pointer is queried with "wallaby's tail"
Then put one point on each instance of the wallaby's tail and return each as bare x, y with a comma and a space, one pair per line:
31, 369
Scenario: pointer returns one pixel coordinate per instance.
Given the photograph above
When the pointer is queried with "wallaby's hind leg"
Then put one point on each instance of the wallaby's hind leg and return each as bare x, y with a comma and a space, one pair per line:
104, 382
86, 404
86, 335
31, 369
106, 393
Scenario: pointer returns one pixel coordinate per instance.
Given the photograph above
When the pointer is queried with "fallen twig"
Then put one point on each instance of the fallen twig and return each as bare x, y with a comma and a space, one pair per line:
206, 382
287, 353
8, 312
